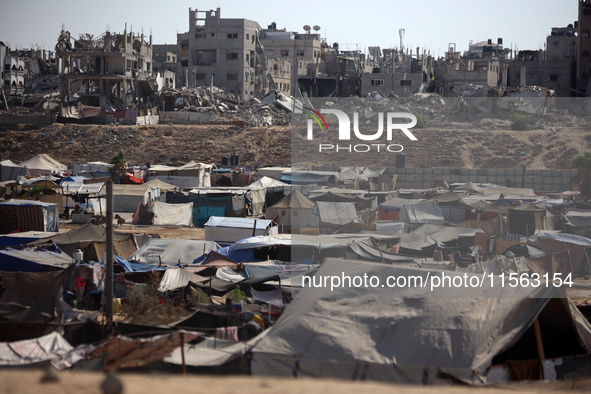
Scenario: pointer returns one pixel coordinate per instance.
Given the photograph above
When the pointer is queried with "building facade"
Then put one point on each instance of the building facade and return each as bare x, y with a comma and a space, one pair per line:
220, 52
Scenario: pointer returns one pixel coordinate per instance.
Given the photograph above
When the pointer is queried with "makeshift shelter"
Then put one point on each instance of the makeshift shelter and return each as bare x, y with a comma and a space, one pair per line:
172, 214
76, 185
164, 187
471, 187
526, 221
33, 260
189, 175
229, 202
171, 251
11, 171
412, 335
230, 230
389, 210
422, 212
291, 212
127, 197
93, 166
274, 190
44, 165
27, 215
332, 215
91, 239
453, 208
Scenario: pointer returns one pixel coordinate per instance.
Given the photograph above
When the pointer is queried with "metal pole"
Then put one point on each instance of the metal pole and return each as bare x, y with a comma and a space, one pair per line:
108, 296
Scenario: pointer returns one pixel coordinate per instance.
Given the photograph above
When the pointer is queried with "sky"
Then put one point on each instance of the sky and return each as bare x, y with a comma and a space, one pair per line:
429, 24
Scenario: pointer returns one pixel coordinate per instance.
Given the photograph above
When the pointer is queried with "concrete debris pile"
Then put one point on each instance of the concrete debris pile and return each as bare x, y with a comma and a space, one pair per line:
202, 105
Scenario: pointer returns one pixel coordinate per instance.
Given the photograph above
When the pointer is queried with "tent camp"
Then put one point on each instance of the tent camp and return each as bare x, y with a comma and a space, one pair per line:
229, 230
291, 212
44, 165
413, 335
423, 212
27, 215
171, 251
172, 214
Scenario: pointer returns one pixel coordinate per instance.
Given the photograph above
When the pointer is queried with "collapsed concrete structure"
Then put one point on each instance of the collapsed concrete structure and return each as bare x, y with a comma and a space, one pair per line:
110, 72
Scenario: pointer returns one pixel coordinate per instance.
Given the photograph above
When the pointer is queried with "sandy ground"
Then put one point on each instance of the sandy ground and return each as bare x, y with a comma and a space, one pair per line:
485, 143
25, 382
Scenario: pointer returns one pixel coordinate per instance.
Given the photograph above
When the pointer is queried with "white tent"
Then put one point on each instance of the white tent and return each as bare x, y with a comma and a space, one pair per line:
172, 214
332, 213
230, 230
270, 183
171, 251
410, 334
11, 171
292, 211
422, 212
43, 165
127, 197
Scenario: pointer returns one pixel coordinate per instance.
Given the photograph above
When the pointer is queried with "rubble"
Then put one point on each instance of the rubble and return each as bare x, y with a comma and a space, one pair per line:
214, 105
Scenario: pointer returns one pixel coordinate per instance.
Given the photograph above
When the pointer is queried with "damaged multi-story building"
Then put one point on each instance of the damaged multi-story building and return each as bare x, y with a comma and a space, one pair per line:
552, 69
479, 67
302, 51
220, 51
111, 71
396, 72
165, 65
13, 72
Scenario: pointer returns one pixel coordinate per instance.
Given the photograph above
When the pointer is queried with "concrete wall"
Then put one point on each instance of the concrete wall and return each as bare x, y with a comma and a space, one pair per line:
392, 83
539, 180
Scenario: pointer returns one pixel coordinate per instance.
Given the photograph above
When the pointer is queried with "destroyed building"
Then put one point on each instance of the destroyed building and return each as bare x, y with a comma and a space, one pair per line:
165, 65
13, 72
301, 50
221, 52
338, 73
394, 72
111, 72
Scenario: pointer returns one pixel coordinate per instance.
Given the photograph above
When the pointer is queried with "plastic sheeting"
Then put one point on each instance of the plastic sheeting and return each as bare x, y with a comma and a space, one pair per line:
405, 335
332, 213
171, 251
32, 261
172, 214
423, 212
33, 351
175, 278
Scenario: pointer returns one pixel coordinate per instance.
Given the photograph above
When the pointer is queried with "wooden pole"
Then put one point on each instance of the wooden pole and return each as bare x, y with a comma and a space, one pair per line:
539, 343
183, 353
109, 273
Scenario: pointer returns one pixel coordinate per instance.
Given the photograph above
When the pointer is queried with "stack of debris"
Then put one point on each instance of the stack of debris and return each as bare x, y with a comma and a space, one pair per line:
209, 104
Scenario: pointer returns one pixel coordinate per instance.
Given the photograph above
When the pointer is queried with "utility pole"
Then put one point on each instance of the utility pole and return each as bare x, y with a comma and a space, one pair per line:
108, 292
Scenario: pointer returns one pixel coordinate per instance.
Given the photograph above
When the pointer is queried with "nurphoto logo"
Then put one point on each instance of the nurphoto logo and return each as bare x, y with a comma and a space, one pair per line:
344, 123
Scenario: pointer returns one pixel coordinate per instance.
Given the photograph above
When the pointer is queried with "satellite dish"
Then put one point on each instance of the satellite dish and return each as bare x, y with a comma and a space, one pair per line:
307, 28
316, 27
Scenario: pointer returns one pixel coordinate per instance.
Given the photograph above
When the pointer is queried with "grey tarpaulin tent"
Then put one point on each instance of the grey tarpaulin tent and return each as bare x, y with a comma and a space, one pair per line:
406, 335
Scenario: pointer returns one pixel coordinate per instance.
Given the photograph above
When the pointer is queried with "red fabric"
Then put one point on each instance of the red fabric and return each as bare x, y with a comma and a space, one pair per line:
80, 282
132, 179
